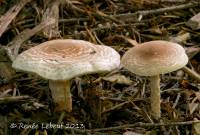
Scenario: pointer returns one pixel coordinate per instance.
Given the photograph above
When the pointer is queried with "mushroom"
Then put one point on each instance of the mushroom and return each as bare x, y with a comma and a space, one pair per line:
152, 59
61, 60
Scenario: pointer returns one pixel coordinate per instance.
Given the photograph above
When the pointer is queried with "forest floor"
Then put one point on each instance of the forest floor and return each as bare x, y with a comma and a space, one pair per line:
113, 103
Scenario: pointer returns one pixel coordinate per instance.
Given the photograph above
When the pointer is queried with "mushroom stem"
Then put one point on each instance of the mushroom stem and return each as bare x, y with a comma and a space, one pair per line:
155, 96
60, 91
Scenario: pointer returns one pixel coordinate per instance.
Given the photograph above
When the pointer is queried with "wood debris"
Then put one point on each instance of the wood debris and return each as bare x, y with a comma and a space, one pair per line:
113, 103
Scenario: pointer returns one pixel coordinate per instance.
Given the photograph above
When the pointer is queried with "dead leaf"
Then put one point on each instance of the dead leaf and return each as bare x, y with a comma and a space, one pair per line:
106, 104
194, 22
155, 30
192, 51
193, 105
131, 41
131, 133
118, 78
196, 128
198, 95
151, 133
183, 37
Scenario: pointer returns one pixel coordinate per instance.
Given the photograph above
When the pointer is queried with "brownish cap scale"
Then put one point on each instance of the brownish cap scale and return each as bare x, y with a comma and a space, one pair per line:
65, 59
154, 57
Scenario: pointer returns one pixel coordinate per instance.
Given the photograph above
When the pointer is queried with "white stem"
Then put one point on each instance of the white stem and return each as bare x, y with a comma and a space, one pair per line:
61, 95
155, 96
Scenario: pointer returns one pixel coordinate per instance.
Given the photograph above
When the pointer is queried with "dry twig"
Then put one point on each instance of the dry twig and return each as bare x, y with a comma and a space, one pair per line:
140, 124
192, 73
133, 15
5, 100
156, 11
14, 45
6, 19
52, 12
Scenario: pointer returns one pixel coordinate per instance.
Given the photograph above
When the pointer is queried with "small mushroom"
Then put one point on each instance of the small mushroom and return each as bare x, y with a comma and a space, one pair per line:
61, 60
152, 59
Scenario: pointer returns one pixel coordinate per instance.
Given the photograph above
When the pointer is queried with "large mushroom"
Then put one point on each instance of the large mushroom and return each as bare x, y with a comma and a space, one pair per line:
152, 59
61, 60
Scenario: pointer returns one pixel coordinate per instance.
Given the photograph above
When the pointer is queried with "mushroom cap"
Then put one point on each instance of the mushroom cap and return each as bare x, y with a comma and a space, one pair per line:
64, 59
154, 58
